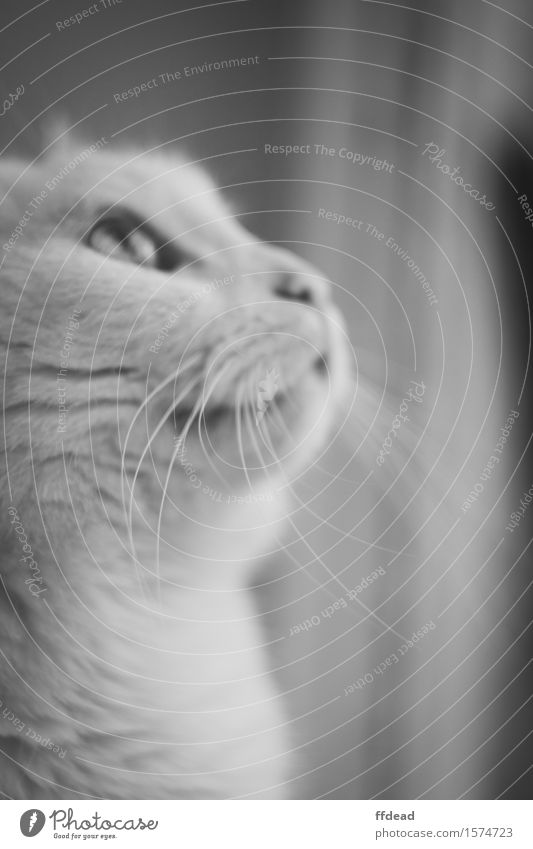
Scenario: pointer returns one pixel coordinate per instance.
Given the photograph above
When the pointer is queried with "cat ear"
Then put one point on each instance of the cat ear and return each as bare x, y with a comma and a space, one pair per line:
57, 135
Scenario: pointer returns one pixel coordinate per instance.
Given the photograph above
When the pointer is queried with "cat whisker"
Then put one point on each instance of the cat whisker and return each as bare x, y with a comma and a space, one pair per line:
318, 558
179, 443
262, 423
262, 429
124, 477
251, 431
162, 422
195, 359
278, 415
198, 409
239, 411
218, 473
333, 477
321, 521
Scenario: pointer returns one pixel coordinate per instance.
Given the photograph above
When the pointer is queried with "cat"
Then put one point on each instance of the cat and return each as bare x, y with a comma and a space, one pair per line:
166, 374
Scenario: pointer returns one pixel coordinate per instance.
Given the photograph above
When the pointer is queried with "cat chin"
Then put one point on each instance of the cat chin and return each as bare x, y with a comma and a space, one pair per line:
277, 430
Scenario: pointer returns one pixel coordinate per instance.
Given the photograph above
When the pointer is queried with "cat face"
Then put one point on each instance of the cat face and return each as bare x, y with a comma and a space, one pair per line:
141, 316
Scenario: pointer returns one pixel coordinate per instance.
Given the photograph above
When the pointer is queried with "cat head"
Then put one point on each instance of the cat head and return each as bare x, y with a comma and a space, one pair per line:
146, 332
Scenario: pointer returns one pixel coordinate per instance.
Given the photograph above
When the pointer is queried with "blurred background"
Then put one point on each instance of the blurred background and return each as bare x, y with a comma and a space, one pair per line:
433, 278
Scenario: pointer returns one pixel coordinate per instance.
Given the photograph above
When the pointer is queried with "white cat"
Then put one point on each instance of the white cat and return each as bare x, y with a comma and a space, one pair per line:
165, 374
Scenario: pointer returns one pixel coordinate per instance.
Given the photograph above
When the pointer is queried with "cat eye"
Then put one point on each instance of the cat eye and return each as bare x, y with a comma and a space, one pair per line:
124, 236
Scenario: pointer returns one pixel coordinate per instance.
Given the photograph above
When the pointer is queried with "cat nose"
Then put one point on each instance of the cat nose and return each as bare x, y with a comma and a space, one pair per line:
298, 287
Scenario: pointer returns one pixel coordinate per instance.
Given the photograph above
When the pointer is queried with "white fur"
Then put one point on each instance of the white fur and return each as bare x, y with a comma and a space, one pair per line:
151, 674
